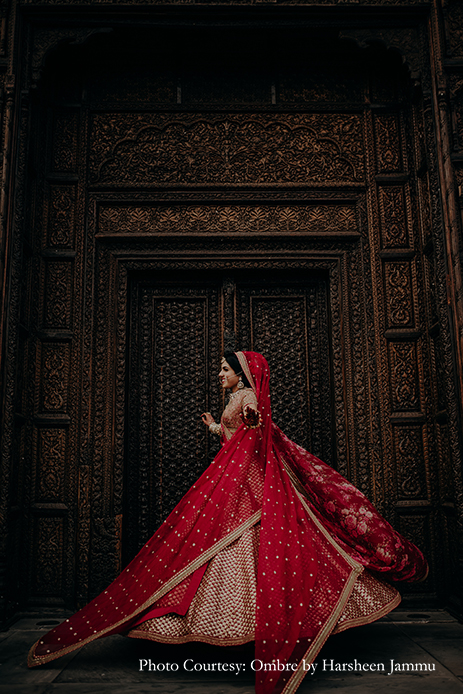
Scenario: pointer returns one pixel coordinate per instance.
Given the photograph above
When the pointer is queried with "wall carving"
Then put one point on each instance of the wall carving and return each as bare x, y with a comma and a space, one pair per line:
287, 323
58, 298
387, 132
454, 18
404, 376
51, 464
64, 157
393, 218
226, 219
61, 216
55, 376
399, 294
134, 149
411, 473
416, 528
291, 178
48, 556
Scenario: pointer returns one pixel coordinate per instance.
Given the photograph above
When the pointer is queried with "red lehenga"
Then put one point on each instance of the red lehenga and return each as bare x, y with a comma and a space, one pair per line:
270, 544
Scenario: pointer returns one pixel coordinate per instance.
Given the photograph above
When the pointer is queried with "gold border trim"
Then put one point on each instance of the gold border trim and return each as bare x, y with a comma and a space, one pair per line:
311, 653
33, 660
372, 617
197, 638
244, 363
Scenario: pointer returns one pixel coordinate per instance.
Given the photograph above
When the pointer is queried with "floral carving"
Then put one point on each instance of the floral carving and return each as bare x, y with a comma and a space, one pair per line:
411, 473
415, 528
61, 216
227, 219
404, 376
65, 142
55, 364
49, 556
58, 295
393, 220
155, 148
454, 16
388, 144
51, 464
399, 294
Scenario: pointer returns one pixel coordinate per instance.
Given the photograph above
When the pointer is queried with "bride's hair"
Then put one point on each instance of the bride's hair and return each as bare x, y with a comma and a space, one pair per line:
232, 360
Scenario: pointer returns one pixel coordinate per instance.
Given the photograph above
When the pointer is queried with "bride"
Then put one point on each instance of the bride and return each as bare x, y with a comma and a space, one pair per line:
269, 545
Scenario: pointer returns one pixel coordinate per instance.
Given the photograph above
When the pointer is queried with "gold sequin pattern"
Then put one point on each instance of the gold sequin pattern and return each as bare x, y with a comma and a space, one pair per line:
223, 609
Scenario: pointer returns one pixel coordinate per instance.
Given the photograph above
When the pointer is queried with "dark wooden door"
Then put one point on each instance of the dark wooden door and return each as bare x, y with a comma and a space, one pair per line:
176, 328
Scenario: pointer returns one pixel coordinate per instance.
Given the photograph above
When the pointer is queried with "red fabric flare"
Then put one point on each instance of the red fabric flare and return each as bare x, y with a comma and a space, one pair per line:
317, 533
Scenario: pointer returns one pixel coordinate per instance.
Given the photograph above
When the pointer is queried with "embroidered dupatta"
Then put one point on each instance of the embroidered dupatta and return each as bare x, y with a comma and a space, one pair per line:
317, 534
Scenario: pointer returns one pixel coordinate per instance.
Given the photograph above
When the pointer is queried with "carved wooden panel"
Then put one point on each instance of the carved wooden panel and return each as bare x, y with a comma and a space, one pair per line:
404, 376
416, 527
342, 290
388, 146
48, 551
54, 379
445, 468
153, 148
174, 347
285, 318
226, 219
399, 294
393, 217
411, 471
454, 20
64, 154
58, 295
61, 216
51, 454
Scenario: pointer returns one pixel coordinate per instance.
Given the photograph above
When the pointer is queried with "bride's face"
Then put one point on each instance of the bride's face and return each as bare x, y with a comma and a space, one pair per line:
228, 377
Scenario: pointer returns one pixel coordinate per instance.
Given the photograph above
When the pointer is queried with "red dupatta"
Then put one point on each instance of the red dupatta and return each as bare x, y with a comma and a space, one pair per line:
317, 533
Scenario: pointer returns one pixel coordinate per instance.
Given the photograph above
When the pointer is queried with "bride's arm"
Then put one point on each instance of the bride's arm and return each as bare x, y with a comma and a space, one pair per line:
209, 421
250, 415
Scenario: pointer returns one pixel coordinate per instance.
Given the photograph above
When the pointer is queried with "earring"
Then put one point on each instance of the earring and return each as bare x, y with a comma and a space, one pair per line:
240, 383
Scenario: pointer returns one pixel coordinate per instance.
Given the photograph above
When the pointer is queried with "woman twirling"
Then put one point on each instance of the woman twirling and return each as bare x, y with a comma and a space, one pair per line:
270, 545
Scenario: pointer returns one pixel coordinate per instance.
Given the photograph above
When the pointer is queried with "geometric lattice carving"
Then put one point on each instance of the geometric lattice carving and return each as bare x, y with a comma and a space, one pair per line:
233, 148
227, 219
287, 323
173, 380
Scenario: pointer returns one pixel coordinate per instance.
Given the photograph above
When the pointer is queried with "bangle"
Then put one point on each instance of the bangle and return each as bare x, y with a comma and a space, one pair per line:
215, 428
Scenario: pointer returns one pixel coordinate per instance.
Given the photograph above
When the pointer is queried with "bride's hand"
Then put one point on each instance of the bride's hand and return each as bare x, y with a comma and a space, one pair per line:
207, 418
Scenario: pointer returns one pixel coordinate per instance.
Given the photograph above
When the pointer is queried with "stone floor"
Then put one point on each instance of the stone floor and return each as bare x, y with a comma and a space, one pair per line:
112, 665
